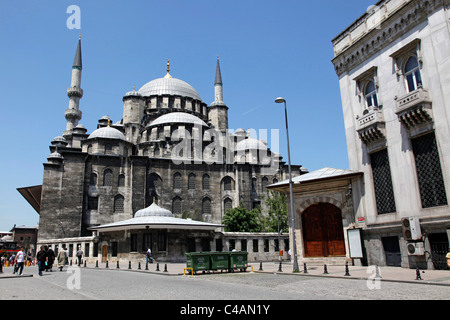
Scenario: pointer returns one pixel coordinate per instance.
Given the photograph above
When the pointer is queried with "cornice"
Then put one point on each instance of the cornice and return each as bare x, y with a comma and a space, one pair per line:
391, 28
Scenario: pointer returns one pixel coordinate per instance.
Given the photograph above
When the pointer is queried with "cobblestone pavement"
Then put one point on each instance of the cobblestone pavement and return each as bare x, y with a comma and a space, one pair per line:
90, 283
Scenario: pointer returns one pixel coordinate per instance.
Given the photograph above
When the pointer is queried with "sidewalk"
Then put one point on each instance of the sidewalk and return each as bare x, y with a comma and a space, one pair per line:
393, 274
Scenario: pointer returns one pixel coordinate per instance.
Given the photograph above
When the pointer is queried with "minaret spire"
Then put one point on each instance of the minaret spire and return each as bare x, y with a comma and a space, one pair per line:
73, 113
218, 88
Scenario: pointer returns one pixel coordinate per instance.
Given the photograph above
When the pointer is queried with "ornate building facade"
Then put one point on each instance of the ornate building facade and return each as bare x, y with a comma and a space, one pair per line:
393, 66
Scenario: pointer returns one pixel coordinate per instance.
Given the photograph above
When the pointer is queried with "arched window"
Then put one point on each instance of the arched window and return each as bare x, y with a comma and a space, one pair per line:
177, 180
107, 177
275, 180
412, 74
227, 184
206, 206
93, 179
191, 181
227, 204
205, 182
176, 205
264, 183
121, 182
254, 183
370, 94
118, 204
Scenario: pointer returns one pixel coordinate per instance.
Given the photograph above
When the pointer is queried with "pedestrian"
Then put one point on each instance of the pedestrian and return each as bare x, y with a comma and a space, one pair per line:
448, 257
79, 255
50, 259
41, 258
62, 256
149, 255
19, 261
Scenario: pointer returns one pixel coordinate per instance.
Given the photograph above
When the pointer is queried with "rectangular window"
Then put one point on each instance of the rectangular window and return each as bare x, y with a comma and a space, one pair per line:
146, 241
114, 249
255, 245
429, 173
133, 243
384, 193
244, 245
161, 242
266, 245
92, 203
219, 245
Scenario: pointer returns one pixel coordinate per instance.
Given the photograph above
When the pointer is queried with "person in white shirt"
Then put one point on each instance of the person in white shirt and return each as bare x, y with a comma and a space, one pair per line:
19, 261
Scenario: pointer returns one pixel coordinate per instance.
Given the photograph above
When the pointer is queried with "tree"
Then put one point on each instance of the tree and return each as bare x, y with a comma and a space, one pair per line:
276, 204
240, 219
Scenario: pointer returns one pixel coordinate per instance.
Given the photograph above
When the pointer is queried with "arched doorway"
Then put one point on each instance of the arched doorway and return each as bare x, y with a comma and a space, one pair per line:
323, 234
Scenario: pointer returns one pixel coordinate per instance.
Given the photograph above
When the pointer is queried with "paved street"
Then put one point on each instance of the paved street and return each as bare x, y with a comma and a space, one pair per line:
113, 284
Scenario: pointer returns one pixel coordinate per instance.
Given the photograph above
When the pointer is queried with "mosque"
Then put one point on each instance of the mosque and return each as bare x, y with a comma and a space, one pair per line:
161, 177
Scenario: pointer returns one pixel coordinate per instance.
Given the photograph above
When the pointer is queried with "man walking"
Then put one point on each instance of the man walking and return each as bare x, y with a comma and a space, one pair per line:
41, 257
19, 261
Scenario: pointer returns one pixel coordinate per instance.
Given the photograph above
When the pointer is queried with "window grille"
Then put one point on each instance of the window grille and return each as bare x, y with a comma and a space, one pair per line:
384, 193
429, 173
177, 181
206, 206
191, 182
118, 204
107, 177
227, 204
206, 182
227, 184
176, 205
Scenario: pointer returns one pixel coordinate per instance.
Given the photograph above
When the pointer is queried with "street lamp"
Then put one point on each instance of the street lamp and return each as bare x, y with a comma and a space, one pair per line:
281, 100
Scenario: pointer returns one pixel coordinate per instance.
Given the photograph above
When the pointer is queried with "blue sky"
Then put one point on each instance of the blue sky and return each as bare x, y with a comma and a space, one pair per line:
266, 48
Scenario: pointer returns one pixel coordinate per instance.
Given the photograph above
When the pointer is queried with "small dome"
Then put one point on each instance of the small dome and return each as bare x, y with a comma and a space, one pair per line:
178, 117
250, 144
107, 133
169, 86
55, 155
153, 210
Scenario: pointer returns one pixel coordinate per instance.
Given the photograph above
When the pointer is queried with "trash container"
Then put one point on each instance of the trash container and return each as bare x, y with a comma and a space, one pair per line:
198, 261
220, 260
238, 260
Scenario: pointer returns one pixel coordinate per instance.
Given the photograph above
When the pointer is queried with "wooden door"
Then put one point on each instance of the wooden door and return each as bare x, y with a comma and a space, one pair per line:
323, 233
104, 253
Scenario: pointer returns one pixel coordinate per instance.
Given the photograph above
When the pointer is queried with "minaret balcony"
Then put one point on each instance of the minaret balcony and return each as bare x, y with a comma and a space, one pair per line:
414, 109
72, 114
371, 126
74, 91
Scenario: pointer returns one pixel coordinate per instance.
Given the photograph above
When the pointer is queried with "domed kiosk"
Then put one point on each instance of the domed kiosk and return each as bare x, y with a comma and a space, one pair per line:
157, 228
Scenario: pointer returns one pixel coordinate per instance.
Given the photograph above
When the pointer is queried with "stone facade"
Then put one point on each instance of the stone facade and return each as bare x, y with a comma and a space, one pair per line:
393, 68
170, 148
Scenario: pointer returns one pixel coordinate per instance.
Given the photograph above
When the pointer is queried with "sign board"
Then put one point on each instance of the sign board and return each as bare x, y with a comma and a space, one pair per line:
355, 243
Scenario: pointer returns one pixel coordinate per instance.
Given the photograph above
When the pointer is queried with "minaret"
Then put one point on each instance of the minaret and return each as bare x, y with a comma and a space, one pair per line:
218, 111
73, 113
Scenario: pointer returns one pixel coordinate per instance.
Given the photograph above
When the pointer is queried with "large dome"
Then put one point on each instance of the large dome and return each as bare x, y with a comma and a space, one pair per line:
169, 86
178, 117
250, 144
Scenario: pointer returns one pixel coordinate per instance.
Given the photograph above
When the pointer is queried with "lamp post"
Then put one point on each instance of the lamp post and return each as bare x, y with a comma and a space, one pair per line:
294, 242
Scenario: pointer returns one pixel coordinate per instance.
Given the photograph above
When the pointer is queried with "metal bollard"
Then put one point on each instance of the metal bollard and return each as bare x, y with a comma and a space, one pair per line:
85, 263
107, 264
279, 268
146, 266
157, 266
117, 265
139, 265
305, 270
325, 270
129, 265
165, 267
260, 267
347, 273
418, 277
377, 275
96, 264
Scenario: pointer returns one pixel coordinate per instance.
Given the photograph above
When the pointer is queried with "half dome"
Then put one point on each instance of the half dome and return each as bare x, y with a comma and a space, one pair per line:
107, 133
250, 144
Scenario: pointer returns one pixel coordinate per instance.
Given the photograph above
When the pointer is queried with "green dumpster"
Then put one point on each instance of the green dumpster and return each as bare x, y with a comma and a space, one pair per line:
219, 260
238, 260
198, 261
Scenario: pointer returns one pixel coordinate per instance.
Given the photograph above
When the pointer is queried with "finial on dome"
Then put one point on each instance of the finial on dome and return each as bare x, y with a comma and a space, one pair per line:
168, 69
109, 121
